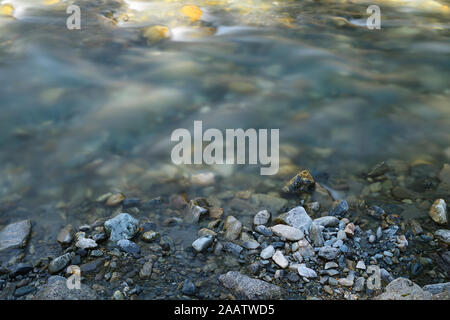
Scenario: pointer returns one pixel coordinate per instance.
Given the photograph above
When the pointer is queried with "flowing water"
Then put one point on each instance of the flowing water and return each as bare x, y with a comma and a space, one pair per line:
90, 111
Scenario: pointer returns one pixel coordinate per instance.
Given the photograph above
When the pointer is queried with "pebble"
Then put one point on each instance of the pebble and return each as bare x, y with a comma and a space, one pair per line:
330, 265
267, 253
340, 209
359, 284
233, 228
438, 211
327, 221
85, 243
65, 236
250, 245
189, 288
306, 272
350, 230
443, 235
150, 236
202, 243
315, 234
20, 269
346, 282
122, 226
128, 246
146, 270
361, 265
280, 259
302, 182
15, 235
261, 218
297, 218
264, 231
287, 232
328, 253
59, 263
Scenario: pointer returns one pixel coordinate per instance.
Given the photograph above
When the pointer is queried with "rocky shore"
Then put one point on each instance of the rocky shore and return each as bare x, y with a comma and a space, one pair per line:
302, 246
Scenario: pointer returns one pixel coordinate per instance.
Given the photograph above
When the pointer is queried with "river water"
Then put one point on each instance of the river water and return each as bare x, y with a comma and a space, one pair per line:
90, 111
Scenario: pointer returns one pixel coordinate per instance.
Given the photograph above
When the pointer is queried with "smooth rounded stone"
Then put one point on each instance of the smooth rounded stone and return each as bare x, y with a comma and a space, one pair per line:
202, 243
361, 265
15, 235
403, 289
22, 291
261, 218
20, 269
301, 182
328, 253
245, 287
65, 236
128, 246
267, 253
85, 243
189, 288
264, 231
443, 235
379, 233
340, 209
332, 272
122, 226
438, 211
437, 288
287, 232
150, 236
346, 282
196, 212
96, 253
327, 221
315, 234
250, 245
372, 238
330, 265
59, 263
297, 218
280, 259
359, 284
386, 276
233, 228
233, 248
146, 270
306, 272
56, 289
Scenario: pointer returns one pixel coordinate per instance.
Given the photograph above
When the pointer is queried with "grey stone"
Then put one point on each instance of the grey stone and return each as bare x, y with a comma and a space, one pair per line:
56, 289
65, 236
359, 284
297, 218
15, 235
59, 263
328, 253
437, 287
233, 228
268, 252
122, 226
403, 289
146, 270
443, 235
250, 245
315, 234
340, 209
280, 259
288, 232
327, 221
202, 243
245, 287
128, 246
189, 288
261, 218
306, 272
85, 243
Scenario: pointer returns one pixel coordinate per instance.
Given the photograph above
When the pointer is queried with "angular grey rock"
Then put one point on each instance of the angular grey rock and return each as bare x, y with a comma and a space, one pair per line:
359, 284
146, 270
56, 289
15, 235
122, 226
85, 243
251, 244
65, 236
59, 263
245, 287
128, 246
232, 227
287, 232
306, 272
297, 218
443, 235
328, 253
340, 209
305, 249
280, 259
261, 218
403, 289
327, 221
189, 288
202, 243
315, 234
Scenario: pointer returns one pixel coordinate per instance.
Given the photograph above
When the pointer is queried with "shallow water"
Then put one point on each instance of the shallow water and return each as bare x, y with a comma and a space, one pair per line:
86, 112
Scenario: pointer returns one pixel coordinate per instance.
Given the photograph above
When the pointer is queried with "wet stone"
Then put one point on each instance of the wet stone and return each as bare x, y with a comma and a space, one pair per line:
202, 243
146, 270
438, 211
59, 263
189, 288
150, 236
21, 269
65, 236
15, 235
340, 209
128, 246
316, 236
443, 235
261, 218
233, 228
123, 226
302, 182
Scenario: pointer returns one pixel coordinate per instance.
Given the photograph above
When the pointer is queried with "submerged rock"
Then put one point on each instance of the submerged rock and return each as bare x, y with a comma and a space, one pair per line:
65, 236
340, 209
128, 246
122, 226
15, 235
261, 218
438, 211
302, 182
245, 287
202, 243
189, 288
233, 228
56, 289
